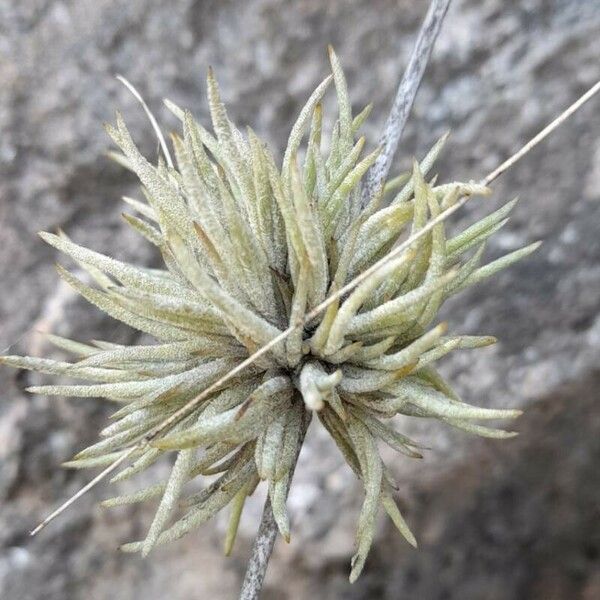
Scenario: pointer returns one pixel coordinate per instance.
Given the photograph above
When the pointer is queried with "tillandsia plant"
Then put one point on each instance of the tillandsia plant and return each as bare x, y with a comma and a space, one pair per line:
250, 247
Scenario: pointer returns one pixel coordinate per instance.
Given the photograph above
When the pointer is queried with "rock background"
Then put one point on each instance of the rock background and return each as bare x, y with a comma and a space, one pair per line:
495, 520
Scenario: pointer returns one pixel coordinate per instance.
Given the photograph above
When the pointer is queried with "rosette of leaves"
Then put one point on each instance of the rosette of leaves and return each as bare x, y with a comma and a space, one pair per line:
250, 246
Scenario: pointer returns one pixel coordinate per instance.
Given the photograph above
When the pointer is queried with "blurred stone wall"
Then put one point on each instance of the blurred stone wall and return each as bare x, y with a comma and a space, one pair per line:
495, 520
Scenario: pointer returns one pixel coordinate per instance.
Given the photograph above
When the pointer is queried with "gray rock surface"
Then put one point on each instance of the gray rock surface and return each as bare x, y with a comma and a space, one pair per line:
496, 520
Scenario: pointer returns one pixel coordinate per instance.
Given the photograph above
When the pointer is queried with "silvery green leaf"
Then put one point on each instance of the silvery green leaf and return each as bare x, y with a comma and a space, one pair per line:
361, 117
302, 122
140, 496
425, 166
235, 424
397, 310
497, 265
372, 474
352, 305
473, 234
433, 403
480, 430
144, 229
344, 105
392, 510
177, 479
410, 353
237, 505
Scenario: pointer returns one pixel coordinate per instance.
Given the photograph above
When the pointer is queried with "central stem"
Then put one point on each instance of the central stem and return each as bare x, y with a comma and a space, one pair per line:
261, 553
265, 538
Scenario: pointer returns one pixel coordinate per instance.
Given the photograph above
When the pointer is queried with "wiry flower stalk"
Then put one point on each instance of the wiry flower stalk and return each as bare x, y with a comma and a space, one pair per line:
250, 248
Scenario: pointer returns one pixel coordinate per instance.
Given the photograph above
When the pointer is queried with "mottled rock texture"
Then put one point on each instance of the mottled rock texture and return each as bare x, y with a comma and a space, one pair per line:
496, 520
